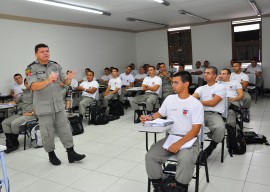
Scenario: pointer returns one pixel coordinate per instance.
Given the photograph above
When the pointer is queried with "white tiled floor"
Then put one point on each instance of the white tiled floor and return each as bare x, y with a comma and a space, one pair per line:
115, 162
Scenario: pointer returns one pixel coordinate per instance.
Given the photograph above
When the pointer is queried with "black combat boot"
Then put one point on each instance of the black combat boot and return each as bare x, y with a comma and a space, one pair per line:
180, 187
53, 158
73, 156
15, 140
9, 143
210, 148
139, 113
158, 185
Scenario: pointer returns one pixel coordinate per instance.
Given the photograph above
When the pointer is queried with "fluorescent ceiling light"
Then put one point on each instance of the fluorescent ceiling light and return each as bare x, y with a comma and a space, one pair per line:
247, 21
255, 7
163, 2
71, 6
192, 15
179, 28
144, 21
251, 27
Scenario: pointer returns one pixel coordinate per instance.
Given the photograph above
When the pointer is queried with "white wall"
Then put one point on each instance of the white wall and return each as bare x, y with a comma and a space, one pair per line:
72, 47
212, 42
152, 47
266, 51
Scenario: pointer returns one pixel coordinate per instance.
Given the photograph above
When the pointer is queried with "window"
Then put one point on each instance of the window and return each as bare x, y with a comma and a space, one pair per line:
246, 40
180, 47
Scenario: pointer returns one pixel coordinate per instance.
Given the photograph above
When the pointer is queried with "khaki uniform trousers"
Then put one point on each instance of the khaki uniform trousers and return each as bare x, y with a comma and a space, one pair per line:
186, 160
216, 125
55, 122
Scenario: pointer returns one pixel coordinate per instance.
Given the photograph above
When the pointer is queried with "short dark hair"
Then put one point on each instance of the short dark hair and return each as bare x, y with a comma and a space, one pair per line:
91, 72
17, 74
182, 65
237, 62
107, 68
41, 45
185, 76
115, 69
129, 67
214, 69
228, 70
152, 67
87, 69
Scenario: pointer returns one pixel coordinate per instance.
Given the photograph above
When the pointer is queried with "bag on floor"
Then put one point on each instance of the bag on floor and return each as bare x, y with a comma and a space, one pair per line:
76, 125
235, 140
253, 138
116, 109
36, 139
98, 116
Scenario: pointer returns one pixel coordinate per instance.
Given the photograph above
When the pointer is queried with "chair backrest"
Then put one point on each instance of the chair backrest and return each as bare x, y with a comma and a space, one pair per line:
195, 79
252, 78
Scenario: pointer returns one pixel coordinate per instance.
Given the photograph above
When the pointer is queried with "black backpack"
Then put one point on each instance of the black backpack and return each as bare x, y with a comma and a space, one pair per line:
76, 125
98, 116
236, 143
116, 108
253, 138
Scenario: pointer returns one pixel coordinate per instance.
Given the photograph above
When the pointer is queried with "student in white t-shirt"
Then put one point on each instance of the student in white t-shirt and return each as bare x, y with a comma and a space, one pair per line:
113, 89
72, 85
212, 96
256, 69
134, 71
106, 77
152, 87
234, 94
89, 90
188, 116
198, 71
243, 79
127, 82
85, 77
140, 77
17, 87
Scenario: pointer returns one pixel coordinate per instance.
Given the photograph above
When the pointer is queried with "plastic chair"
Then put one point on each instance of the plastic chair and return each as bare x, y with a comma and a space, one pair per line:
4, 181
252, 85
27, 127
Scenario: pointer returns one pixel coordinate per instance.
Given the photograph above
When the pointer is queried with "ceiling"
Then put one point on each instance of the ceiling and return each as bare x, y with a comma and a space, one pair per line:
150, 10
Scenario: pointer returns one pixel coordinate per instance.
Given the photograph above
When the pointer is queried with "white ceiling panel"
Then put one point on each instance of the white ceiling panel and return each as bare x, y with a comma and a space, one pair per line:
140, 9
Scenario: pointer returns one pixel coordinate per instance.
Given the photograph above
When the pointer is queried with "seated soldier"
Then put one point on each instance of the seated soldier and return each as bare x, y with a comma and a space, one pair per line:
256, 69
85, 77
234, 93
152, 87
134, 71
11, 125
166, 78
72, 85
17, 87
198, 71
212, 96
140, 77
113, 90
89, 90
106, 77
187, 114
127, 82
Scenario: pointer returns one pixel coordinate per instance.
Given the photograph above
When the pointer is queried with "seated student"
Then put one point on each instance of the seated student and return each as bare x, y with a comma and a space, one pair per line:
134, 71
113, 90
11, 125
198, 71
242, 78
140, 77
85, 77
171, 69
106, 77
17, 87
89, 90
188, 116
234, 93
152, 87
166, 78
73, 84
127, 82
212, 96
181, 67
256, 69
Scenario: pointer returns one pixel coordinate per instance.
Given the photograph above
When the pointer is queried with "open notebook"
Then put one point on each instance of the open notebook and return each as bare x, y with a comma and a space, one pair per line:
158, 123
173, 138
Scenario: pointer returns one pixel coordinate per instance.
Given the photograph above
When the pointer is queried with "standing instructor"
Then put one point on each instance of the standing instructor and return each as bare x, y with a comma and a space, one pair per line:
45, 78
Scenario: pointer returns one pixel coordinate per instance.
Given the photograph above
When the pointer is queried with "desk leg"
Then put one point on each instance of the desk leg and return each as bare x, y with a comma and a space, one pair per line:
4, 171
155, 136
146, 140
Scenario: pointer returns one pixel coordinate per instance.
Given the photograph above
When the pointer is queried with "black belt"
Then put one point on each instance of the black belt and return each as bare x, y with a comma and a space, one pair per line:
151, 93
214, 112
